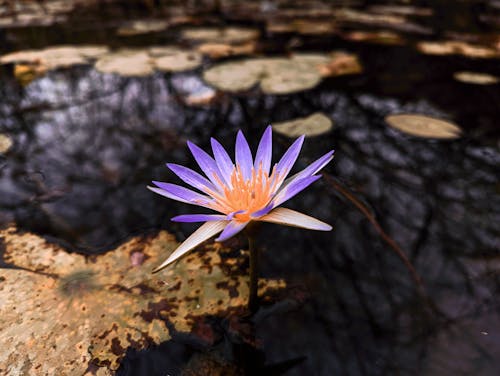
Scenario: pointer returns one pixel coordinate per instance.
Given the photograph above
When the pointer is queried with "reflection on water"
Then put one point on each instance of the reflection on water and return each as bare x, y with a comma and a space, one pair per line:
86, 144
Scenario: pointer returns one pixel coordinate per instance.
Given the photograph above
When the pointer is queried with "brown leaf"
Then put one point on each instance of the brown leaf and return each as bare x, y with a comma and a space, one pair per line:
62, 310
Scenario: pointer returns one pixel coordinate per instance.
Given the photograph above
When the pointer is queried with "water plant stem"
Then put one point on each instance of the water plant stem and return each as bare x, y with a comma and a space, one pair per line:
253, 299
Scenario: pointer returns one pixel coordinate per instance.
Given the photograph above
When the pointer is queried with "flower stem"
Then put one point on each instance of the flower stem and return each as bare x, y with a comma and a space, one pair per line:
253, 299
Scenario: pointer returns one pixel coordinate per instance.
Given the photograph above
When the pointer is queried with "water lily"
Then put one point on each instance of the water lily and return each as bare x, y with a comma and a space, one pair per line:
241, 192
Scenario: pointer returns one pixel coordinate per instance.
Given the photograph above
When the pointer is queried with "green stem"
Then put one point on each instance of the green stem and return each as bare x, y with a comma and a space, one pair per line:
253, 299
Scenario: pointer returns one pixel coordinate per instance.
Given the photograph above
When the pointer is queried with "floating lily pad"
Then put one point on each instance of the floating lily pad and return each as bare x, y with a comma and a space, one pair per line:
233, 76
55, 57
312, 125
126, 63
220, 50
301, 26
281, 75
285, 76
403, 10
352, 15
339, 64
380, 37
138, 27
5, 143
423, 126
476, 78
61, 311
231, 35
457, 48
178, 61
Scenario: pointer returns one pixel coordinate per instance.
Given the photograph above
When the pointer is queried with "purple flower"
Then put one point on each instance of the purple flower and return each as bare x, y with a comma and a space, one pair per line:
241, 192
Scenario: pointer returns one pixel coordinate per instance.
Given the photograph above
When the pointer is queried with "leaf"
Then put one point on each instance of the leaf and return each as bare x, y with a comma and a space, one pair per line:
32, 64
423, 126
312, 125
126, 63
452, 47
62, 311
280, 75
229, 35
5, 143
139, 27
178, 61
476, 78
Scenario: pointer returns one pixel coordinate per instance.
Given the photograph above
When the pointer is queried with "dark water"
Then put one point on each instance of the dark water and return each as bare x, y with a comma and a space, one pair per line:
86, 144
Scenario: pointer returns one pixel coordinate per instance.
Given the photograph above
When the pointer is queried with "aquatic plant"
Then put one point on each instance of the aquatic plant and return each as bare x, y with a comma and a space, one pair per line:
242, 192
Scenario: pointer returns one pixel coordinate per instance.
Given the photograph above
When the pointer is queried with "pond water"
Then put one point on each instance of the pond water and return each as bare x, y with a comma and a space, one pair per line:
85, 144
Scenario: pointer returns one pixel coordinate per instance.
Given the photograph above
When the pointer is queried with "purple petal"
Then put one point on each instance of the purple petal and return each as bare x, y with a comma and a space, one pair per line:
191, 177
206, 163
264, 151
176, 192
166, 194
231, 229
263, 211
312, 169
243, 156
198, 218
293, 188
230, 216
223, 161
288, 160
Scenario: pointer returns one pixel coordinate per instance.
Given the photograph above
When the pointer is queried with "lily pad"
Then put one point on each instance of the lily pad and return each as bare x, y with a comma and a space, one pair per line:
457, 48
126, 63
178, 61
339, 64
62, 311
5, 143
220, 50
139, 27
285, 76
301, 26
424, 126
476, 78
312, 125
379, 37
280, 75
231, 35
55, 57
233, 76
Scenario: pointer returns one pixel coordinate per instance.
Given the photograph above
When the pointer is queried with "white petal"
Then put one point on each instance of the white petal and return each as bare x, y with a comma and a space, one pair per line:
290, 217
205, 231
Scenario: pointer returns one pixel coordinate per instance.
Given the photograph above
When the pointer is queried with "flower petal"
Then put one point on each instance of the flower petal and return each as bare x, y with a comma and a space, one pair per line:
198, 218
206, 163
191, 177
182, 194
263, 211
243, 156
224, 162
264, 151
231, 229
316, 166
293, 188
166, 194
290, 217
288, 160
205, 231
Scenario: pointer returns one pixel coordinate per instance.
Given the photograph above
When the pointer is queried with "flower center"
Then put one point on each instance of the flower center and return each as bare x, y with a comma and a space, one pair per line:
246, 196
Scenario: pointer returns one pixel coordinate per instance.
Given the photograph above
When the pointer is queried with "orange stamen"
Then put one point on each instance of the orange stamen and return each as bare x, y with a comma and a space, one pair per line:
247, 195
